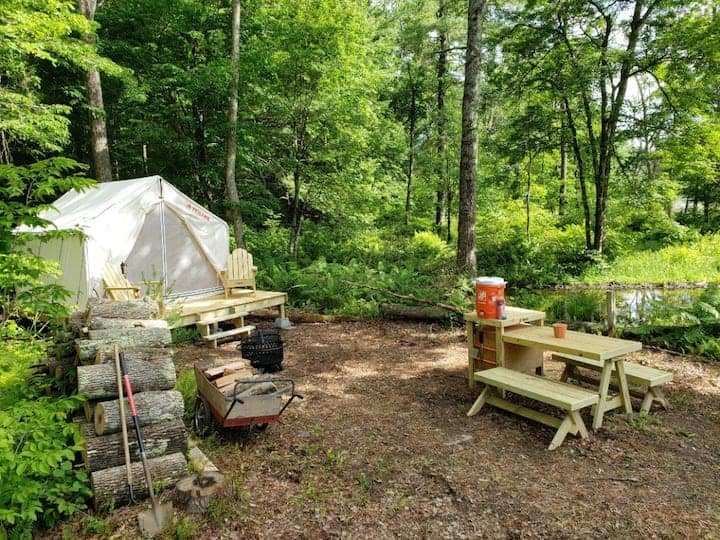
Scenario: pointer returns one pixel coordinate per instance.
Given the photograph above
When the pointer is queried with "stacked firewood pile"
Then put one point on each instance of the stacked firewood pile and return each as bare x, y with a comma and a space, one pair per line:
239, 379
133, 328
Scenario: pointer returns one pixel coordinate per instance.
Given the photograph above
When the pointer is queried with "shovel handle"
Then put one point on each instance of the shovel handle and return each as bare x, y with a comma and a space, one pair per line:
131, 402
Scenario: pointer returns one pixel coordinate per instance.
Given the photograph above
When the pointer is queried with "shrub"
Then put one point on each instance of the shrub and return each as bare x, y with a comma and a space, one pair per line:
37, 445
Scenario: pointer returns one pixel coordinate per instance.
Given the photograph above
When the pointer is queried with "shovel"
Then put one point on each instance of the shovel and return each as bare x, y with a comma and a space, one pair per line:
151, 522
126, 445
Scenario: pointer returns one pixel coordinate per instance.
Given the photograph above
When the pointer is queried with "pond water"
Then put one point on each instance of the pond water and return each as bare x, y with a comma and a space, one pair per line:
633, 307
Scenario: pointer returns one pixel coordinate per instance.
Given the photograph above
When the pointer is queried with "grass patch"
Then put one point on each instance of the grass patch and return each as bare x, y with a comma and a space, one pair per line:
699, 261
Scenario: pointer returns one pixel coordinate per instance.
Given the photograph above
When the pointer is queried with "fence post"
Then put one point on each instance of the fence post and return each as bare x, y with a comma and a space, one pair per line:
610, 303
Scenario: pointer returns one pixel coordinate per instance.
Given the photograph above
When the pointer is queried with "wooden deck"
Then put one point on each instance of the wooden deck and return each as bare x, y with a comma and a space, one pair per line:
218, 308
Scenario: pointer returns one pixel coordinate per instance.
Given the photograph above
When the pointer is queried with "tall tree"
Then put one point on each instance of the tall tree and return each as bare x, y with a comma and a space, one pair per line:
231, 150
99, 146
466, 261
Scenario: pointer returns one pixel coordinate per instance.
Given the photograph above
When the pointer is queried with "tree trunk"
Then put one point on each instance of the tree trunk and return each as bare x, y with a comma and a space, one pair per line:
99, 381
231, 152
152, 407
110, 487
441, 82
126, 309
296, 215
160, 439
98, 133
466, 261
611, 106
418, 313
562, 194
411, 149
580, 170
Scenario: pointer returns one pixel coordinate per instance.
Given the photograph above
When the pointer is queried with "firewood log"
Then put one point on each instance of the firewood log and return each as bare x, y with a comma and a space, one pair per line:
144, 308
152, 408
259, 388
105, 323
106, 355
110, 485
120, 332
213, 372
106, 451
139, 337
98, 381
233, 376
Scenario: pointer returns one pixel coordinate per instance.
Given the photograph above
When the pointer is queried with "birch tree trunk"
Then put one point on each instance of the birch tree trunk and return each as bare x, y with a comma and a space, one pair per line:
231, 152
466, 261
98, 133
442, 189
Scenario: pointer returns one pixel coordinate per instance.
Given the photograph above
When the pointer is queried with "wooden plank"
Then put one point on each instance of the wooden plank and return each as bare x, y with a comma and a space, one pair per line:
232, 377
513, 315
634, 373
210, 393
561, 395
220, 370
228, 333
208, 307
576, 343
532, 414
210, 319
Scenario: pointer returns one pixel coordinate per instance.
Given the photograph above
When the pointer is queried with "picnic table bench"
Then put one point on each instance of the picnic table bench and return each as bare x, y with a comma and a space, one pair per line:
567, 397
636, 374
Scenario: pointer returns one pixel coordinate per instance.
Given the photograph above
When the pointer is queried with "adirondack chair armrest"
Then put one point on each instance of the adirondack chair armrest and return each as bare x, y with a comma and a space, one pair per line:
130, 288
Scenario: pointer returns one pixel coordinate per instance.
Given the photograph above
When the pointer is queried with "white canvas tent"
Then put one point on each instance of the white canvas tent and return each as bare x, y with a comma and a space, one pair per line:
146, 224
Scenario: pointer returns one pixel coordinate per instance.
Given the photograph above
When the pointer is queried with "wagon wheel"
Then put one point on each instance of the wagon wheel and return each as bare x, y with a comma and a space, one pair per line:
203, 420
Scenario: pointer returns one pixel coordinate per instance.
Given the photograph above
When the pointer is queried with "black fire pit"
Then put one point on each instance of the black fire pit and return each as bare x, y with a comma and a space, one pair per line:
264, 349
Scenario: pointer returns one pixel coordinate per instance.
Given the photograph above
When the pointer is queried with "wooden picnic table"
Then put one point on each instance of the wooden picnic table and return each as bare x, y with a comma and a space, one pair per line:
609, 351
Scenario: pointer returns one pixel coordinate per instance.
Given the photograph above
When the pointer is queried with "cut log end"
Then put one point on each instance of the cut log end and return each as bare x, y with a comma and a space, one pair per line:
195, 492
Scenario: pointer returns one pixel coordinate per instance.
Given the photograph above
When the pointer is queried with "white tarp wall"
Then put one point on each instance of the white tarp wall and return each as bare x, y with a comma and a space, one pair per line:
155, 230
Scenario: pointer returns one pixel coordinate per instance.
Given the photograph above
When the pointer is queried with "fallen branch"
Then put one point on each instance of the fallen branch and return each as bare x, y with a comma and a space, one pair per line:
409, 297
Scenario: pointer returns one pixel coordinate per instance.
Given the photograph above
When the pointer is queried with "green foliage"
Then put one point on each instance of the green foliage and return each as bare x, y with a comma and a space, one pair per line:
37, 447
548, 256
187, 386
698, 261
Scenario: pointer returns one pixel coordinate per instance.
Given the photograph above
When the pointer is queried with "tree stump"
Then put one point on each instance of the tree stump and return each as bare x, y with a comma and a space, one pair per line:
107, 451
195, 492
98, 381
110, 485
152, 408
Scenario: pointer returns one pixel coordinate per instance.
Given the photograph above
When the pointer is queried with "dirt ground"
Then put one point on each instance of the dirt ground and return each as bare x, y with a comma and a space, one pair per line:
381, 448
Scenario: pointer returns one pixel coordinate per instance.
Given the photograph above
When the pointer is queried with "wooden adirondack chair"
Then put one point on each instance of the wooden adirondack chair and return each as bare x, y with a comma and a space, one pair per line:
240, 271
117, 286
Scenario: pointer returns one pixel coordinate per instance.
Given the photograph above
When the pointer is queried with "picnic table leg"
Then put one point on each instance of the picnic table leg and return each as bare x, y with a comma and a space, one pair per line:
653, 394
561, 432
470, 330
479, 402
577, 419
603, 391
622, 382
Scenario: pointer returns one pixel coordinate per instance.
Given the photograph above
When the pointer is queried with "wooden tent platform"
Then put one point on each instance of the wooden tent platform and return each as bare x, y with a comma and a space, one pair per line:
213, 309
